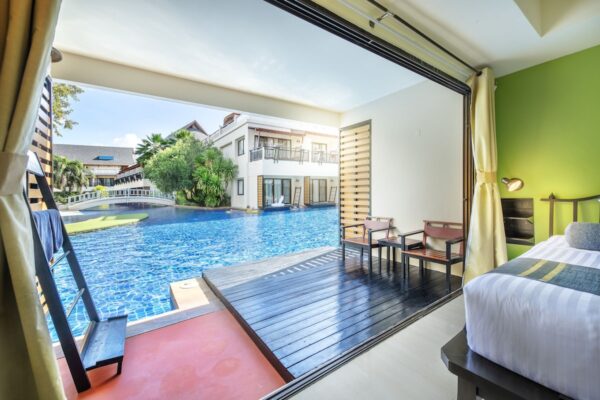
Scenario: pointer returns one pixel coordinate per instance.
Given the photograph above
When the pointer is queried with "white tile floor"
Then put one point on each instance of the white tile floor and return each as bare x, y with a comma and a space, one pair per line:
405, 366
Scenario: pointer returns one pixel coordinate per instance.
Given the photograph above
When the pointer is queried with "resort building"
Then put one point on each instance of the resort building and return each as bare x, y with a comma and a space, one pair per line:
459, 141
104, 163
278, 157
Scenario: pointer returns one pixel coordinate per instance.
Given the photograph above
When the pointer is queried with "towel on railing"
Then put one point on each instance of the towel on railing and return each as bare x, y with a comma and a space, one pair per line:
49, 228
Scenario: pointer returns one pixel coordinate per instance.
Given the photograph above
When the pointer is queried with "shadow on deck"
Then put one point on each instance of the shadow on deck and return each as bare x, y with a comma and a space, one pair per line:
312, 313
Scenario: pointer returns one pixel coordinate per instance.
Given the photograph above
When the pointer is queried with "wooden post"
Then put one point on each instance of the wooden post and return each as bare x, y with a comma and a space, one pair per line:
551, 222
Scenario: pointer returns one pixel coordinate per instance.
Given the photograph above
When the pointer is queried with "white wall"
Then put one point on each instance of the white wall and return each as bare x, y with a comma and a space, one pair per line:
228, 144
416, 154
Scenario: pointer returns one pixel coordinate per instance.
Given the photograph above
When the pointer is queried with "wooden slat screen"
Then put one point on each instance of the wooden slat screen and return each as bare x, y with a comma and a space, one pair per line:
355, 175
41, 143
306, 190
259, 191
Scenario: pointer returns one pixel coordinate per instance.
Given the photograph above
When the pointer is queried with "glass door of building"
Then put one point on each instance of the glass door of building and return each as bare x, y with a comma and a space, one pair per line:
274, 188
319, 191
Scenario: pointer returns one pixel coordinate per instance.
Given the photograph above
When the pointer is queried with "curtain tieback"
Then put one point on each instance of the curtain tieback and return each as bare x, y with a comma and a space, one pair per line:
12, 169
486, 177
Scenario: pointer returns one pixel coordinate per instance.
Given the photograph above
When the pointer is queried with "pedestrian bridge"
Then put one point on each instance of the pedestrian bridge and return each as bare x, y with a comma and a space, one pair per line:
125, 196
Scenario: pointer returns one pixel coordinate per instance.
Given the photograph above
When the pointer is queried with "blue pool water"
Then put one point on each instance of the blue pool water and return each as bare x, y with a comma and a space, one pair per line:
128, 269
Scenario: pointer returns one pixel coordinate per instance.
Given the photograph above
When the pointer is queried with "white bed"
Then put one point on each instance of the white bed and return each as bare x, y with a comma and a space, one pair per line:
547, 333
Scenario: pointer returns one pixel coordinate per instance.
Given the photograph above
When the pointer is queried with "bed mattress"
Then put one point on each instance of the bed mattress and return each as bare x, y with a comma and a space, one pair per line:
547, 333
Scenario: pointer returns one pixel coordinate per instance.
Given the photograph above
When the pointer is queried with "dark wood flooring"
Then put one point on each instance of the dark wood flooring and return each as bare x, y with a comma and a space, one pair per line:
309, 314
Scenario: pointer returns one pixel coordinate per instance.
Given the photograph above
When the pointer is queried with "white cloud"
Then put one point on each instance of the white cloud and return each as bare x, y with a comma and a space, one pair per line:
127, 140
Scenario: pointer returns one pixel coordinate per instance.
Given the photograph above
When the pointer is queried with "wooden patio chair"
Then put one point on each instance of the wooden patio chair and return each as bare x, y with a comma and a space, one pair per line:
369, 226
450, 232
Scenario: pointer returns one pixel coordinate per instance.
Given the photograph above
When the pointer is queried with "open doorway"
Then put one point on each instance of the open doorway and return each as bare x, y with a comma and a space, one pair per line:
396, 153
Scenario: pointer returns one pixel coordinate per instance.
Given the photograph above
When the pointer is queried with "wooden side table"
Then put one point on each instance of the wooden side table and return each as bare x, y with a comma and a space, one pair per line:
393, 243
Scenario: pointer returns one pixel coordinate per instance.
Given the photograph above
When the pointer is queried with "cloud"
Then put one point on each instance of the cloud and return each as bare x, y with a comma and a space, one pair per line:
127, 140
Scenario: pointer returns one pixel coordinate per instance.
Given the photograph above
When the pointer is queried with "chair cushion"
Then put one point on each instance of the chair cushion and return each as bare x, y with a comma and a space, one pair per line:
583, 235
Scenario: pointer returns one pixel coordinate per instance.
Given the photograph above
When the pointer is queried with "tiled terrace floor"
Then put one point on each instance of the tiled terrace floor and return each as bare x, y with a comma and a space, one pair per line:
207, 357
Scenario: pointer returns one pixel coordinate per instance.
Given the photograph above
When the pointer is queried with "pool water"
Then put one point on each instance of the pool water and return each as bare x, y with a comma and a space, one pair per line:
128, 269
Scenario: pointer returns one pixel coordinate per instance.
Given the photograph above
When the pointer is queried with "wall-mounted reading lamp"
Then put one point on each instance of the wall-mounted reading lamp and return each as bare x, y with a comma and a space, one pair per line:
513, 184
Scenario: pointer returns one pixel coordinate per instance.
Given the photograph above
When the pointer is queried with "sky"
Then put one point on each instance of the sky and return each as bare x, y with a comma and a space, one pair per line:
111, 118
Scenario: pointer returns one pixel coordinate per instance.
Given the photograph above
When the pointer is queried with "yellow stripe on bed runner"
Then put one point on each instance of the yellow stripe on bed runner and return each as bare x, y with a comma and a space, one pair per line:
555, 271
534, 268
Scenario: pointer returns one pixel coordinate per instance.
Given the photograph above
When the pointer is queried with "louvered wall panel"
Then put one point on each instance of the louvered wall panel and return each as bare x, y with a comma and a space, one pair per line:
41, 143
259, 191
307, 190
355, 175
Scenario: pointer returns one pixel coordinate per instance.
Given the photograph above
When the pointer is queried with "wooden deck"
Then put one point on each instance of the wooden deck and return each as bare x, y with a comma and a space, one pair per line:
311, 313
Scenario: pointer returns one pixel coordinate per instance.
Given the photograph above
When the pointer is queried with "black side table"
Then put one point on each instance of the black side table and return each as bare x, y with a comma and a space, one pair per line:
393, 243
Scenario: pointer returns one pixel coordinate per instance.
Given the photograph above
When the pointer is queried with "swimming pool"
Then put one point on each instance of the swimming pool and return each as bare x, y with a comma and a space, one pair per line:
128, 269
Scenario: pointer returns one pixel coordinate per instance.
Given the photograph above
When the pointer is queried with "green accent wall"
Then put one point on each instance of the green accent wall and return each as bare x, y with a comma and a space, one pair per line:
548, 134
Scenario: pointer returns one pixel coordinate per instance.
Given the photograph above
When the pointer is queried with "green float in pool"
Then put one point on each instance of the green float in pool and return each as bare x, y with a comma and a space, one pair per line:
108, 221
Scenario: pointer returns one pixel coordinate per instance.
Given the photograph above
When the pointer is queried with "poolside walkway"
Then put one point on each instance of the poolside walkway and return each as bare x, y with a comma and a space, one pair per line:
197, 351
207, 357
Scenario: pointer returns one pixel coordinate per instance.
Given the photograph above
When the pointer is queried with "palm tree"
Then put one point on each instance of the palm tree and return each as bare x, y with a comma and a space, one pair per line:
76, 175
182, 134
151, 145
59, 164
69, 174
212, 176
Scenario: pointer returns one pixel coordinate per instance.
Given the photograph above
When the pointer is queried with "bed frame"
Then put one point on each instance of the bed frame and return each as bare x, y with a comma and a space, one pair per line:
574, 202
478, 376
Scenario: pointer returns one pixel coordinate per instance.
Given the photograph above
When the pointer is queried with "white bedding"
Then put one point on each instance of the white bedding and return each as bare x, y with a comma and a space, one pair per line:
547, 333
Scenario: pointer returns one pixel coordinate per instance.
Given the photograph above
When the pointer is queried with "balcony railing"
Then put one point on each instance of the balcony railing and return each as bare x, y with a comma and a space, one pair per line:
297, 154
320, 157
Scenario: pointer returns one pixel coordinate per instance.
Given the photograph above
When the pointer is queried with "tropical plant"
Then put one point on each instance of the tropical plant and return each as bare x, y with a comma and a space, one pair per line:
69, 175
212, 175
171, 169
62, 96
102, 189
182, 134
59, 164
150, 146
198, 172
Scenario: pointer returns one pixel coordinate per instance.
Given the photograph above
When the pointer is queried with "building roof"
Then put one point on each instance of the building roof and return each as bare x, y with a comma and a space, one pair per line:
195, 128
96, 155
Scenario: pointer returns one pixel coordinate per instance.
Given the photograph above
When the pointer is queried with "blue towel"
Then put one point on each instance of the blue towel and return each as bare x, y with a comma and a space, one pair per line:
49, 228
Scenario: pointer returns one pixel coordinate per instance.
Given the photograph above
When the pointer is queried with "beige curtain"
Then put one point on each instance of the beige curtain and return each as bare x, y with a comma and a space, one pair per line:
486, 248
28, 368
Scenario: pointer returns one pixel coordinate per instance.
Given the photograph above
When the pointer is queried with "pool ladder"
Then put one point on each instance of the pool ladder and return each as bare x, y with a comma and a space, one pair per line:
104, 340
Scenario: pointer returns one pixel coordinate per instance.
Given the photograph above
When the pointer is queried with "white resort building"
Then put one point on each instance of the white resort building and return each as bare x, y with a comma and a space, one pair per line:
278, 157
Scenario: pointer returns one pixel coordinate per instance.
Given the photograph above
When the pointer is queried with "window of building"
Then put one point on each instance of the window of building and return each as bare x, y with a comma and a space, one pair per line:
240, 187
240, 147
319, 190
275, 188
265, 141
104, 158
319, 152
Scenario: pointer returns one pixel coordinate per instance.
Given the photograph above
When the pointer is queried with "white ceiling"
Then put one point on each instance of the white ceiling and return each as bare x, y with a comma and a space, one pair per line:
252, 46
247, 45
508, 35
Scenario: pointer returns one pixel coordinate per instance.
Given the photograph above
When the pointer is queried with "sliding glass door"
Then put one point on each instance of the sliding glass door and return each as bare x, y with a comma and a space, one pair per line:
319, 191
274, 188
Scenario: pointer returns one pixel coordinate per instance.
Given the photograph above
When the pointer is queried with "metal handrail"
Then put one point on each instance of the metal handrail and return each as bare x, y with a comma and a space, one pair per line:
98, 194
256, 154
330, 157
295, 154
